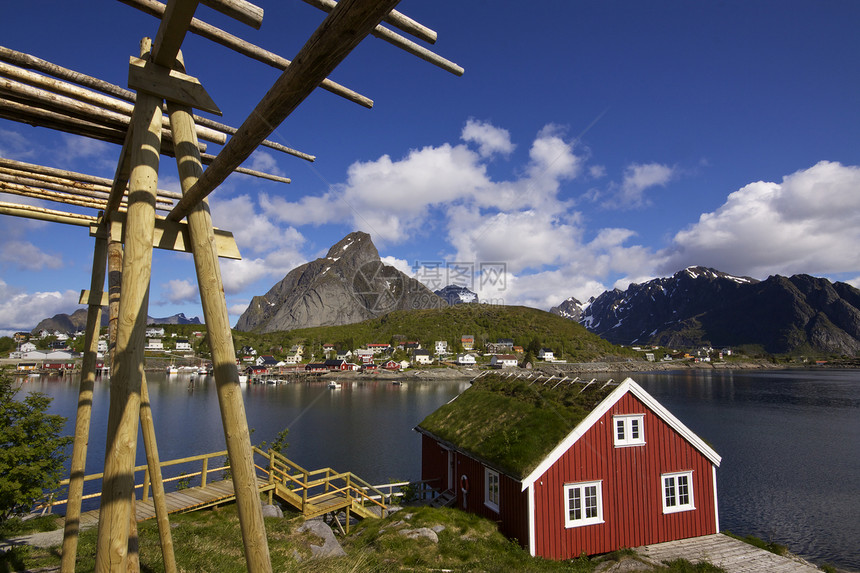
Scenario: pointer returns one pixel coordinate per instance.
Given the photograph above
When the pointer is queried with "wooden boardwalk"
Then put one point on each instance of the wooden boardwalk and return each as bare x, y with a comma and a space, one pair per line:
313, 493
733, 555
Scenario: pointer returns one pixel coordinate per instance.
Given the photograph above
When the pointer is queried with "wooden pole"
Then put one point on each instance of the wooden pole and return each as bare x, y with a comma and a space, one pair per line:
118, 489
210, 32
336, 37
217, 321
399, 41
85, 103
77, 179
240, 10
31, 62
395, 18
84, 413
42, 214
147, 425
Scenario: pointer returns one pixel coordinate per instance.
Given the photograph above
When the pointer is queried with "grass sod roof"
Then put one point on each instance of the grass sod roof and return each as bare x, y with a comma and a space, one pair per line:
513, 424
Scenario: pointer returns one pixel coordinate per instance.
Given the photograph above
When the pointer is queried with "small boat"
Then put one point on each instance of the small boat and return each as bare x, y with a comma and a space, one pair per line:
334, 385
172, 369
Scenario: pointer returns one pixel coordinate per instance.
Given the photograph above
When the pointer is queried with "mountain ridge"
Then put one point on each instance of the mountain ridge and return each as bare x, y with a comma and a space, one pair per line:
703, 306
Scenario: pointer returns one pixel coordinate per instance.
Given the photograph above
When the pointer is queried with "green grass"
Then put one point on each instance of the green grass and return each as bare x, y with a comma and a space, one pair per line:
487, 323
512, 424
210, 541
771, 546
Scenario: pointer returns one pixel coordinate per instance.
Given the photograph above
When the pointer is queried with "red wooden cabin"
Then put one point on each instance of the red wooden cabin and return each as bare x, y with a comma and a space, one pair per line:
572, 468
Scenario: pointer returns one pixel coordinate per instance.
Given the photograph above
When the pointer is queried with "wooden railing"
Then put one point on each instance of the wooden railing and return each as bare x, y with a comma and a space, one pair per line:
313, 487
183, 478
308, 491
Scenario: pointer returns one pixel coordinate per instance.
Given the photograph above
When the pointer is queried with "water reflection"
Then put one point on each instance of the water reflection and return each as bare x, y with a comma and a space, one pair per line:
790, 440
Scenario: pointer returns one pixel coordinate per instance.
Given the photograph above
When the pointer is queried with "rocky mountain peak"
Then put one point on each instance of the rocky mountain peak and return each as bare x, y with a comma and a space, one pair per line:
350, 284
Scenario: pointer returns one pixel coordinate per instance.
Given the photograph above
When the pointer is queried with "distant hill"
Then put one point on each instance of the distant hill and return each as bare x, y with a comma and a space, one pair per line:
703, 306
70, 323
348, 285
488, 323
570, 309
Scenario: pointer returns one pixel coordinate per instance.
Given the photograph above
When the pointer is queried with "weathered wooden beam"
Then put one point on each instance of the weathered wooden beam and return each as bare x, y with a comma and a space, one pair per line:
31, 62
39, 117
204, 30
171, 31
336, 37
395, 18
399, 41
84, 412
126, 377
216, 317
207, 159
94, 297
69, 178
42, 214
173, 236
35, 193
65, 190
240, 10
51, 85
169, 84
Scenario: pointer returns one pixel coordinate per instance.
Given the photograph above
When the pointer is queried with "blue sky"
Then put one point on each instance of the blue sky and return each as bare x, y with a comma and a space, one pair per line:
588, 145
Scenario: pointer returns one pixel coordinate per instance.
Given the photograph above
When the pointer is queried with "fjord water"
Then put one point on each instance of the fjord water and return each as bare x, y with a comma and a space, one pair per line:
790, 440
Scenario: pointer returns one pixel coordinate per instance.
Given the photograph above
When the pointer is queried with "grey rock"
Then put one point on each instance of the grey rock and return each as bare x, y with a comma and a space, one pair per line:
272, 511
330, 546
350, 284
420, 533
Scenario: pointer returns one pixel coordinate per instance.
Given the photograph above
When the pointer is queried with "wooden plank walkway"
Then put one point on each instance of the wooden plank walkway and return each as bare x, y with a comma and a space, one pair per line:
731, 554
177, 502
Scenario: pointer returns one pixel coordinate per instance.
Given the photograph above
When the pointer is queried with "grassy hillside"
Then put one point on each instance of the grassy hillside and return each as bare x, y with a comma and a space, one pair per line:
487, 323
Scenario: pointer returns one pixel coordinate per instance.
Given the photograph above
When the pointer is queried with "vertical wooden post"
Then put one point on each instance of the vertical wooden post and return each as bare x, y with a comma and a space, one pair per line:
114, 287
215, 315
147, 425
146, 482
203, 472
85, 404
124, 413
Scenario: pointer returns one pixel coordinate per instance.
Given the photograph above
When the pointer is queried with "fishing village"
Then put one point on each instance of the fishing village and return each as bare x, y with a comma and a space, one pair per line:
354, 419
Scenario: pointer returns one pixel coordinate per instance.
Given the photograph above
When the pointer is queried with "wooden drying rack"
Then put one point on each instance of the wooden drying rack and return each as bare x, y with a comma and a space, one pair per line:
156, 119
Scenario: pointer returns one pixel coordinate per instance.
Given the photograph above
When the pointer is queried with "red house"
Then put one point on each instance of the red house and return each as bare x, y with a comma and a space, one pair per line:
570, 467
390, 365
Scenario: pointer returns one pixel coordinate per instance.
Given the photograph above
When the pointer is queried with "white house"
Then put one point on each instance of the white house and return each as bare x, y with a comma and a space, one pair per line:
545, 354
503, 361
102, 347
154, 344
421, 357
27, 347
292, 359
441, 347
183, 344
465, 360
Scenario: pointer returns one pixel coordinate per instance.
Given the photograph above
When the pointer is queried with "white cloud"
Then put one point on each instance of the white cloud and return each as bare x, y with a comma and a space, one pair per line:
253, 231
265, 162
489, 138
400, 264
27, 256
178, 291
22, 311
808, 223
236, 275
638, 177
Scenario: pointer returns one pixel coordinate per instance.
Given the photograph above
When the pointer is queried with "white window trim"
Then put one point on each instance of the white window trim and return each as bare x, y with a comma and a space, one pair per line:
581, 487
671, 480
627, 439
488, 501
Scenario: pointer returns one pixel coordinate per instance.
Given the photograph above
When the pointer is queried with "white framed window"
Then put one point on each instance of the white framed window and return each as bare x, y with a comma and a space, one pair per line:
629, 430
583, 503
491, 489
677, 492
